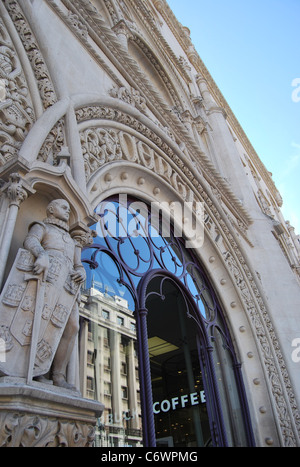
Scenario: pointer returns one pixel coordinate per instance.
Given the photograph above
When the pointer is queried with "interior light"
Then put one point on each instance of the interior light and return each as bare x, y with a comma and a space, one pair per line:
158, 346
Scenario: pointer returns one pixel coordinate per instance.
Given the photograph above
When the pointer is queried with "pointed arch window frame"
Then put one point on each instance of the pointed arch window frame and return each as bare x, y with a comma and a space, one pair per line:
137, 283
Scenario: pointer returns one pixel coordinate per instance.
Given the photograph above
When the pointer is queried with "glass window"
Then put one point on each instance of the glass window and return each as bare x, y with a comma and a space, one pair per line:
120, 321
194, 392
105, 314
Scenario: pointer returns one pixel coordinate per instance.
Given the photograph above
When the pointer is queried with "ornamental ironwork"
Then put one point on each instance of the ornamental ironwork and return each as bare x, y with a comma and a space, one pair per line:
135, 244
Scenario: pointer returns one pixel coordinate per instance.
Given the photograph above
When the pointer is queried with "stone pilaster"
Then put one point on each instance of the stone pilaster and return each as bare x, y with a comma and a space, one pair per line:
16, 191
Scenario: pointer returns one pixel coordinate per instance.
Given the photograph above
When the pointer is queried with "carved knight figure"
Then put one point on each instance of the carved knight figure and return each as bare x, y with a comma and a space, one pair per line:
39, 302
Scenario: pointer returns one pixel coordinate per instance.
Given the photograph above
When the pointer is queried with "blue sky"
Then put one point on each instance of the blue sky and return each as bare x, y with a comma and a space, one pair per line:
252, 50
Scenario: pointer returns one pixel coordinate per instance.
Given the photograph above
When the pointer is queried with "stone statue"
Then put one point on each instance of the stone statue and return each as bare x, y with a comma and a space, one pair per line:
39, 316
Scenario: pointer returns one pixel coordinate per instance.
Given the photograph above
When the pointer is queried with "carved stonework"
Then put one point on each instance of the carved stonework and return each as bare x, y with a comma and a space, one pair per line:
130, 96
266, 337
106, 113
53, 144
75, 21
38, 64
15, 191
20, 430
16, 111
39, 301
100, 145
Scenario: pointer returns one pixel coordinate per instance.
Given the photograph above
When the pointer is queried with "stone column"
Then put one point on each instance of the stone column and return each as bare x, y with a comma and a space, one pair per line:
17, 191
123, 32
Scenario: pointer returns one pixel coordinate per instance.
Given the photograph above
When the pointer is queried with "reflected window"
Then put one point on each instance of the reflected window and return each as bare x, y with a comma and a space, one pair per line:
105, 314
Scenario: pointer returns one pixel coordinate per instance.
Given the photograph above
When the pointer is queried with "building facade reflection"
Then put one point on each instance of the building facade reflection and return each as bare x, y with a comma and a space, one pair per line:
109, 366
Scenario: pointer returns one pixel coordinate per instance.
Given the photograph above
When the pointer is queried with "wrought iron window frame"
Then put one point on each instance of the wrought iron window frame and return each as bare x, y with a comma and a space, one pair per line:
128, 277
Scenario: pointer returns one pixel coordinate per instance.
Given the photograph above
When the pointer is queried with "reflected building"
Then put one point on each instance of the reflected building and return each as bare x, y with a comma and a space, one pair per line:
109, 366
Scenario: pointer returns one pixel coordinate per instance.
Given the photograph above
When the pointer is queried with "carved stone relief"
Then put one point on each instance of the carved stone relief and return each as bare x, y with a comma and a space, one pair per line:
31, 430
16, 111
130, 150
35, 57
131, 96
53, 144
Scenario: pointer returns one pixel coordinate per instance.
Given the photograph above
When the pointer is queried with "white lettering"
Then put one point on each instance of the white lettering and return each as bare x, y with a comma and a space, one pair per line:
175, 402
184, 400
193, 399
162, 456
131, 220
296, 352
154, 407
202, 397
165, 405
296, 92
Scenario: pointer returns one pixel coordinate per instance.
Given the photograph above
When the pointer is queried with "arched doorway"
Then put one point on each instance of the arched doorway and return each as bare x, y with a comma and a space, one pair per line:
175, 340
191, 386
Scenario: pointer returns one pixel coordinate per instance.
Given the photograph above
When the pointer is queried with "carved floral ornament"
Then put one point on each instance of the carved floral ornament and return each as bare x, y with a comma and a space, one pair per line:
17, 107
35, 57
16, 111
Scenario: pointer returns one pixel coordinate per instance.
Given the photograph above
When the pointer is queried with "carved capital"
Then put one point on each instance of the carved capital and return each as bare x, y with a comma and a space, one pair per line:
82, 237
17, 190
122, 29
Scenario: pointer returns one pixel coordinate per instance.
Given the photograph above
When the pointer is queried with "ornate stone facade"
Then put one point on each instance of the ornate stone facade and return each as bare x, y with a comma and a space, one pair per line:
110, 96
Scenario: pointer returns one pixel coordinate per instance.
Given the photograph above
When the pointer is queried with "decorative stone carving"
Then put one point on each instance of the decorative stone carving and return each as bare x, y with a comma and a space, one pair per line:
53, 144
267, 339
39, 67
78, 24
16, 112
34, 416
39, 302
15, 190
132, 97
99, 146
20, 430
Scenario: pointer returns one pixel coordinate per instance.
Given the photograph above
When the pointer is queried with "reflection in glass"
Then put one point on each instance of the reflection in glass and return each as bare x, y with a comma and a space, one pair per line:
180, 411
192, 361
